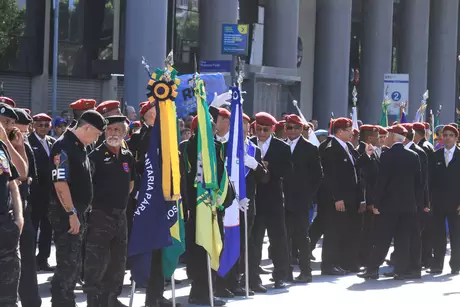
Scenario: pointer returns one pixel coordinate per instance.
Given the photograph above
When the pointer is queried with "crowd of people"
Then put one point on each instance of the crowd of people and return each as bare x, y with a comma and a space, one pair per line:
370, 186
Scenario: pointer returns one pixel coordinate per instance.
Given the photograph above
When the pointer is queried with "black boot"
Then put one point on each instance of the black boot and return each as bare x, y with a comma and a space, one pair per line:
112, 299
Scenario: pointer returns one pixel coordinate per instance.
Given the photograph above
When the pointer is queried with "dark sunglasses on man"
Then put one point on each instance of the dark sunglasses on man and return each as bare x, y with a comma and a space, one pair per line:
296, 127
262, 129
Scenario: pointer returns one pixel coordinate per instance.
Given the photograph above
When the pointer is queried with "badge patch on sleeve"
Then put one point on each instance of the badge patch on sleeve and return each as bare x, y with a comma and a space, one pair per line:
126, 167
4, 164
60, 172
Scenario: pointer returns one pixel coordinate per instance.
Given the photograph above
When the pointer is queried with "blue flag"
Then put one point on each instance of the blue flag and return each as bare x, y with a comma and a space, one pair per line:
151, 228
236, 170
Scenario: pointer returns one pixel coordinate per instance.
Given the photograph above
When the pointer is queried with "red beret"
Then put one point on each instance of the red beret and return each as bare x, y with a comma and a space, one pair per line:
83, 104
451, 128
136, 124
427, 125
195, 123
280, 125
369, 128
8, 101
355, 131
294, 119
265, 119
246, 117
399, 129
42, 117
342, 123
408, 126
27, 110
382, 130
145, 106
419, 127
107, 106
224, 113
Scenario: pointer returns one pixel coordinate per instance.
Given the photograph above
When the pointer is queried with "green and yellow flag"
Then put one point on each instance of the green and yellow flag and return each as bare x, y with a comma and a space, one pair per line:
384, 115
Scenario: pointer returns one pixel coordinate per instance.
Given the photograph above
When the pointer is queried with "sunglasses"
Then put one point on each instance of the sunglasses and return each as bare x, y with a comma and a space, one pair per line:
289, 128
43, 125
262, 129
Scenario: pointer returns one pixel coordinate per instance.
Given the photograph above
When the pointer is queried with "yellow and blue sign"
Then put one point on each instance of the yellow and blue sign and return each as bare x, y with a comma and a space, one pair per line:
235, 38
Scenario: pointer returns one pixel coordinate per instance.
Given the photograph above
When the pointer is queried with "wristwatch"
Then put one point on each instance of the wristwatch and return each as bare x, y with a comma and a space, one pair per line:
72, 212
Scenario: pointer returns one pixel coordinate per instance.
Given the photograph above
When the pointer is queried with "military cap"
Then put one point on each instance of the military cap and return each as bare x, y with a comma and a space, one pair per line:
83, 104
115, 119
27, 110
107, 106
382, 131
342, 123
437, 128
370, 128
265, 119
399, 129
145, 107
24, 118
355, 132
8, 101
321, 132
224, 113
195, 123
427, 125
94, 119
451, 128
293, 119
408, 126
420, 127
7, 111
280, 125
41, 117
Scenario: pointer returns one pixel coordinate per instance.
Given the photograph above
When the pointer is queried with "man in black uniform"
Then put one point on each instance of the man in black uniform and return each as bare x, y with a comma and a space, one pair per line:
397, 196
300, 186
71, 197
445, 196
41, 144
11, 224
270, 215
113, 173
28, 286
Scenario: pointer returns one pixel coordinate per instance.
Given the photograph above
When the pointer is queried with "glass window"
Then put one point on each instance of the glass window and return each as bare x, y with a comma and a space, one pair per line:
186, 35
21, 36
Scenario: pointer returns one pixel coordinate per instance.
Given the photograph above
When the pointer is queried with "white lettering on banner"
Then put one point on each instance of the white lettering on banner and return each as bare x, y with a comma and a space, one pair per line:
58, 174
172, 212
150, 184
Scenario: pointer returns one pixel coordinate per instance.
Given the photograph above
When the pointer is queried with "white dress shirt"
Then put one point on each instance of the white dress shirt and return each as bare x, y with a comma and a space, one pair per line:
264, 145
345, 147
224, 138
293, 143
408, 145
44, 143
449, 153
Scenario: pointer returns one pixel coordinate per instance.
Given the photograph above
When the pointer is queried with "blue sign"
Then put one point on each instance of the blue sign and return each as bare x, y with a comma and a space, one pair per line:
235, 39
396, 96
185, 100
215, 66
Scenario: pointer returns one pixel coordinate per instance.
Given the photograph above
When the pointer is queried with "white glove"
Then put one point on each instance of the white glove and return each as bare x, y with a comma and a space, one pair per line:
222, 99
244, 204
250, 162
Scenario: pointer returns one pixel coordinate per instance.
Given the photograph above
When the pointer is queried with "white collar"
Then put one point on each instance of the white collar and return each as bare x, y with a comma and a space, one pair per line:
342, 143
408, 145
225, 137
396, 143
39, 138
451, 151
266, 142
294, 141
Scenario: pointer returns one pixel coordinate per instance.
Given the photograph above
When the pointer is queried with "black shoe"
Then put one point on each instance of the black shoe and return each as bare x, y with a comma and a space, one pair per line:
205, 301
334, 271
45, 267
414, 275
389, 274
162, 302
399, 276
258, 288
224, 293
369, 275
312, 257
303, 279
435, 271
113, 301
355, 269
455, 272
279, 284
241, 292
263, 271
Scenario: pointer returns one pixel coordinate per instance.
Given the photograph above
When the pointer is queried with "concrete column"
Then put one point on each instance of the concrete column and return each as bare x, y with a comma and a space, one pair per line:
307, 26
146, 24
376, 57
39, 86
110, 87
214, 13
413, 48
442, 57
332, 59
281, 32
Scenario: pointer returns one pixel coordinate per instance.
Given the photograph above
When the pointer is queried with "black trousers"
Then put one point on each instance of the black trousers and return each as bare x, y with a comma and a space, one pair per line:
10, 264
297, 224
440, 239
367, 233
28, 286
402, 225
317, 229
106, 249
40, 219
341, 239
426, 225
274, 223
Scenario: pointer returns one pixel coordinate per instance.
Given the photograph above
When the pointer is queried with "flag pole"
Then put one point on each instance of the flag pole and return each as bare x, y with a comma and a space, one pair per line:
239, 80
211, 292
173, 290
133, 290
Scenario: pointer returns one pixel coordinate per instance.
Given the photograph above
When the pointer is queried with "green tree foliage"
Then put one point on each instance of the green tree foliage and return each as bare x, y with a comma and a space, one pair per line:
11, 28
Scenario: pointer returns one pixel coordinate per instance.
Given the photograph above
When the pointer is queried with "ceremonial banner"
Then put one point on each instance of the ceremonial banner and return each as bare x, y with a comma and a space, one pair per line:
236, 170
171, 254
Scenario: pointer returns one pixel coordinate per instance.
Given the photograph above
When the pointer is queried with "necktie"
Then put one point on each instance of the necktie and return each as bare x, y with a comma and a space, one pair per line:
45, 146
262, 149
446, 157
352, 162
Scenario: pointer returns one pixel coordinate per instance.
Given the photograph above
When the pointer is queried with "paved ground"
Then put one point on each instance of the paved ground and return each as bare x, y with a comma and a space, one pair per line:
441, 290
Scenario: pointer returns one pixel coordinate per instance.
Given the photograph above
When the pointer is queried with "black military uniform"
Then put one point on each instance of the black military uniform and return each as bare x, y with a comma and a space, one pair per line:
28, 286
71, 165
40, 197
106, 240
10, 265
300, 187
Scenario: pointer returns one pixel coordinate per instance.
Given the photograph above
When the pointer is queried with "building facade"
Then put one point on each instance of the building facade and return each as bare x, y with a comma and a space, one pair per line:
313, 51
